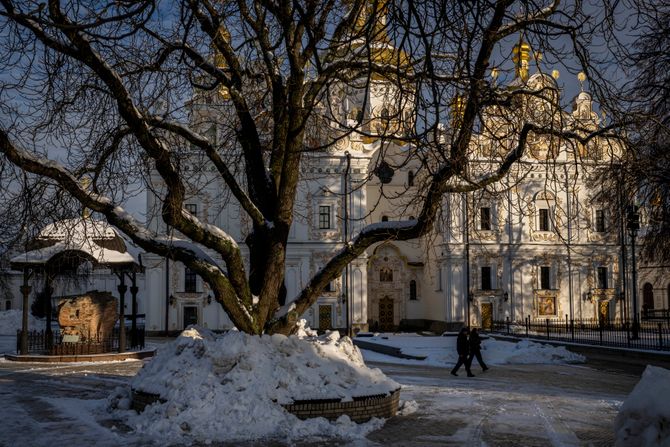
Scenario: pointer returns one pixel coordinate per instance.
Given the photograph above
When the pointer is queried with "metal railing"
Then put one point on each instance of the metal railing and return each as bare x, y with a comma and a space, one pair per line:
655, 314
651, 335
41, 342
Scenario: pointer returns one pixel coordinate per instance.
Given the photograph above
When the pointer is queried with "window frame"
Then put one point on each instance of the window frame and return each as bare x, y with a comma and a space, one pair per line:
190, 280
485, 220
545, 277
602, 274
543, 219
413, 291
486, 282
599, 221
325, 218
192, 208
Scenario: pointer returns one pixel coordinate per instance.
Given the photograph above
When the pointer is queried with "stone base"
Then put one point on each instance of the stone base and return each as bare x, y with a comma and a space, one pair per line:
361, 409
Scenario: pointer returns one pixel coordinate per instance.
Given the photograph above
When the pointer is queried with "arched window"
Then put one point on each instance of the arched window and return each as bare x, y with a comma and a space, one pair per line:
190, 280
385, 218
545, 205
412, 290
385, 275
647, 297
410, 178
8, 305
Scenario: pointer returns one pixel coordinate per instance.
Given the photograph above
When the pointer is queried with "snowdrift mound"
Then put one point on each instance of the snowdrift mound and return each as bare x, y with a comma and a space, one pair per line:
526, 352
644, 417
230, 387
10, 322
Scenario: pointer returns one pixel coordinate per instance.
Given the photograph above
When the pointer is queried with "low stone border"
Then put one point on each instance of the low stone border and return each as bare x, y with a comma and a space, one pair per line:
111, 356
360, 409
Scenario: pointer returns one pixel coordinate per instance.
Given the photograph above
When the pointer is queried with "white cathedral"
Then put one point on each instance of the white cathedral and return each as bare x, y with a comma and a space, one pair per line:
540, 245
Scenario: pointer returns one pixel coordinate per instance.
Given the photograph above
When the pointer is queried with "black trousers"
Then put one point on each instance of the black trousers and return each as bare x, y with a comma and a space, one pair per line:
462, 360
478, 355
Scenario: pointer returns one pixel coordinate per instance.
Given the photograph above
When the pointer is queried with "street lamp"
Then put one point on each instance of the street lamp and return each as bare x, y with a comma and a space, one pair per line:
633, 225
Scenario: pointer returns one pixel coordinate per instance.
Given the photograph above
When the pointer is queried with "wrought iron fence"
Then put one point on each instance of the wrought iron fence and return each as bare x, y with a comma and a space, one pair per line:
42, 342
650, 335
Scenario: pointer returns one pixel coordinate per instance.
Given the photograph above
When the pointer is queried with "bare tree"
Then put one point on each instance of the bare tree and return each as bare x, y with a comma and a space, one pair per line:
121, 90
644, 173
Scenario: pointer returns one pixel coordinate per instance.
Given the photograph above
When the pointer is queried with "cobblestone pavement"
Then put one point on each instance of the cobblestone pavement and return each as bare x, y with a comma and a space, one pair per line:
514, 405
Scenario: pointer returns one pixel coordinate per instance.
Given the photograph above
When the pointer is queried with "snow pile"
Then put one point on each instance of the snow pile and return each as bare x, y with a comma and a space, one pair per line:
441, 351
500, 352
230, 387
644, 417
10, 322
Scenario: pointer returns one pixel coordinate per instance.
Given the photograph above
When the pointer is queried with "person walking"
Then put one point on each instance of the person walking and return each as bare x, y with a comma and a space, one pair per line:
463, 348
475, 345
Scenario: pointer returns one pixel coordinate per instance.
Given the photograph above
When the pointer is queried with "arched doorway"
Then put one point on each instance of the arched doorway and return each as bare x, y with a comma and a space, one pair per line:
386, 314
647, 298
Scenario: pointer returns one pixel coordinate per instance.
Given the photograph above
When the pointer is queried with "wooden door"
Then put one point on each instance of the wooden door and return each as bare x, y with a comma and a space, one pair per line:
604, 313
325, 317
190, 315
647, 298
487, 316
386, 322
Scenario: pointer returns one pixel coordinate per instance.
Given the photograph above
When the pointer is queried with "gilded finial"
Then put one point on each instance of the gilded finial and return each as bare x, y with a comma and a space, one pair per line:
581, 77
521, 55
457, 110
494, 74
555, 74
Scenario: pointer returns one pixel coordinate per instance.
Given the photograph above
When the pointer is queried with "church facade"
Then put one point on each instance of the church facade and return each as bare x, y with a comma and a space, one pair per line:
536, 245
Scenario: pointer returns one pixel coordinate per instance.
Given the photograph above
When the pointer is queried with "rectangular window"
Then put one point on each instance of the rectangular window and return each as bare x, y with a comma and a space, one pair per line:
600, 221
190, 283
545, 277
486, 278
192, 208
602, 277
485, 218
544, 219
324, 217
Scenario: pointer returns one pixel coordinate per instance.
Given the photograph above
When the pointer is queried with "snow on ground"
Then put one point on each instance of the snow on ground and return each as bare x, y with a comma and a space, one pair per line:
441, 351
644, 417
10, 321
230, 387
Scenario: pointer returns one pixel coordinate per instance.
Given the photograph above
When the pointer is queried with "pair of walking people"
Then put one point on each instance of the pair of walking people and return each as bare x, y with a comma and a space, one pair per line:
468, 346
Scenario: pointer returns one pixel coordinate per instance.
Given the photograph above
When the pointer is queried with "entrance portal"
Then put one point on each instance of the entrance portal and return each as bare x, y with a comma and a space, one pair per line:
487, 316
325, 317
386, 314
604, 313
190, 315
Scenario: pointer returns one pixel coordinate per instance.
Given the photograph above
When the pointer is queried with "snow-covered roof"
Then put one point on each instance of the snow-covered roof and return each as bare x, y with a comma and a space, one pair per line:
94, 240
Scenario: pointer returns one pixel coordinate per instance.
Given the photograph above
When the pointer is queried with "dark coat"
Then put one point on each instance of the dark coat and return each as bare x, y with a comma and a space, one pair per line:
462, 344
475, 342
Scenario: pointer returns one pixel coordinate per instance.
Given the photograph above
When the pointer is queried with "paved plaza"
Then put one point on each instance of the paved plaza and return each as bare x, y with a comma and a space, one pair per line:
511, 405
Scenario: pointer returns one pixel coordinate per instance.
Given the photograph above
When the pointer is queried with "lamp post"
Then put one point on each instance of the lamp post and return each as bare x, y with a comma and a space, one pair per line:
633, 225
349, 311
